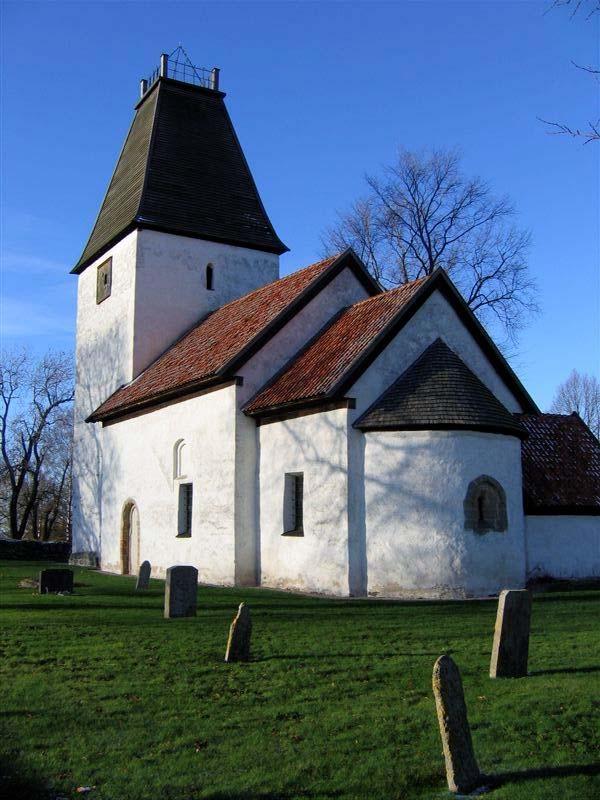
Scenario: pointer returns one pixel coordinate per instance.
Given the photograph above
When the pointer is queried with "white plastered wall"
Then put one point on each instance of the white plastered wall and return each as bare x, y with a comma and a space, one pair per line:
170, 291
371, 515
158, 292
316, 446
139, 467
415, 486
104, 358
563, 546
344, 290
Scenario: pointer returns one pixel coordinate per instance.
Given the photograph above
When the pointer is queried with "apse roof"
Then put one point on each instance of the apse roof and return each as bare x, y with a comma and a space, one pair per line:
438, 391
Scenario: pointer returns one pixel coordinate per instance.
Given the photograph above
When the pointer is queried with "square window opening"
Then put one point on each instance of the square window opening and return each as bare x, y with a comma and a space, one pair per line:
104, 280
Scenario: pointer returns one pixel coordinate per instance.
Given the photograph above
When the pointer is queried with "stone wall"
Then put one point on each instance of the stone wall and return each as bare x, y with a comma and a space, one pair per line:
15, 550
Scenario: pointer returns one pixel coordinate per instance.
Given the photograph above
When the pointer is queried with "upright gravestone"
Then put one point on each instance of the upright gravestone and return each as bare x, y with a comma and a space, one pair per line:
238, 644
56, 581
143, 576
510, 650
180, 592
462, 772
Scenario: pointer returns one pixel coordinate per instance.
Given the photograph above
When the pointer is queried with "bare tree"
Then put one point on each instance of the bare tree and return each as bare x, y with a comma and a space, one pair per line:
423, 213
586, 9
35, 430
580, 393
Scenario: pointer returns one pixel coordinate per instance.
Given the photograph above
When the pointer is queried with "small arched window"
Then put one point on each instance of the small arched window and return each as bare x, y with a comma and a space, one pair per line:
209, 277
485, 506
180, 456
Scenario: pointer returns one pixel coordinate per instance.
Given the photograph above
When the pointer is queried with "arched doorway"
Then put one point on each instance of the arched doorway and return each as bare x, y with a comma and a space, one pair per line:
130, 539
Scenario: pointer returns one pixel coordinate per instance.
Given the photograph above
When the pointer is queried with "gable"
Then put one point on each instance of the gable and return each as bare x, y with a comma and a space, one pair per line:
436, 318
365, 348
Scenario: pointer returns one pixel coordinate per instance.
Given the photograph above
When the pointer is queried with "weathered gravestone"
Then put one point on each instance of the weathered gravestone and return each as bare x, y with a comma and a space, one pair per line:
143, 576
55, 581
462, 772
510, 650
180, 592
238, 644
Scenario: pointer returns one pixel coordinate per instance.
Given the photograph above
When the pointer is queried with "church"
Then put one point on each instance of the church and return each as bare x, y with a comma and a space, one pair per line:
310, 432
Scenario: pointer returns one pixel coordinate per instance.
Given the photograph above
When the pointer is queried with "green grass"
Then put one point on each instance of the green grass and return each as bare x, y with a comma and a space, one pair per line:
97, 689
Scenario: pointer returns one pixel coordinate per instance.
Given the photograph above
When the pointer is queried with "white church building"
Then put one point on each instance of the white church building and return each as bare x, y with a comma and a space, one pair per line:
310, 432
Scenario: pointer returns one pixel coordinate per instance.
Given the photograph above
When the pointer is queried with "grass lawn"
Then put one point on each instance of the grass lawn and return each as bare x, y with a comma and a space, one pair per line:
99, 690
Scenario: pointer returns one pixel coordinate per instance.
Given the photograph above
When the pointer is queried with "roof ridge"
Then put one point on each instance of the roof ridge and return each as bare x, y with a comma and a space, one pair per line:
388, 292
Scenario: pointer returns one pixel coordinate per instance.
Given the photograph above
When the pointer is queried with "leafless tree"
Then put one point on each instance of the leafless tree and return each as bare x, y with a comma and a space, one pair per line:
586, 9
421, 213
35, 430
580, 393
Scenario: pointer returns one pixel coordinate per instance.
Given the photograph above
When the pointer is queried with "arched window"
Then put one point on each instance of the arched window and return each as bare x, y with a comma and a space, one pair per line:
209, 277
485, 506
180, 458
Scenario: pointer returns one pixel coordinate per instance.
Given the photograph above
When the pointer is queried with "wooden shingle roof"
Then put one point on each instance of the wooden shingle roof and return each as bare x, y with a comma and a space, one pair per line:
561, 465
438, 391
182, 170
316, 372
332, 362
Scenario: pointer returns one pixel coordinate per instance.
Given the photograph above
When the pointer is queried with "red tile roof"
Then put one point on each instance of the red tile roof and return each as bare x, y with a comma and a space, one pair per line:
208, 350
561, 465
317, 370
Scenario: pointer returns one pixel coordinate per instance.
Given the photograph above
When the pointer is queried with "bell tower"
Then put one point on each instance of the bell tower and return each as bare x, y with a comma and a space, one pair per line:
181, 231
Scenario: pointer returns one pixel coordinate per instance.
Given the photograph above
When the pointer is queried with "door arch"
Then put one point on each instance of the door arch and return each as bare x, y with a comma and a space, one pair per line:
130, 539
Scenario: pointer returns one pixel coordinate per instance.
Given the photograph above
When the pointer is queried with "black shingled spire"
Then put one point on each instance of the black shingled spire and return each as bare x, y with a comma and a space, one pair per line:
182, 171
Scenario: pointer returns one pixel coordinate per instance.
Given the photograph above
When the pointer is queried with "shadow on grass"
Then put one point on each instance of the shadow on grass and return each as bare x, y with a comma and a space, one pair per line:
325, 656
568, 771
564, 670
16, 785
73, 606
291, 795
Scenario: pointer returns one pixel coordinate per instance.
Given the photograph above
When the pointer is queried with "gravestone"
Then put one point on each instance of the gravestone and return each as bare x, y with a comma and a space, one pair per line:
143, 576
462, 772
510, 650
238, 644
180, 592
55, 581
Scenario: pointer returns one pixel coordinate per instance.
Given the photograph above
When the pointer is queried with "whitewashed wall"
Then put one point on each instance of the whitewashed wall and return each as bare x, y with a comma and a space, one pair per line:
344, 290
104, 359
436, 318
316, 446
416, 543
563, 546
170, 289
138, 466
158, 292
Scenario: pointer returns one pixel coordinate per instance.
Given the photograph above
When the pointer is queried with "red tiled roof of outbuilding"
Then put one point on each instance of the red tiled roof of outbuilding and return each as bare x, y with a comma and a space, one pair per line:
561, 465
212, 349
327, 358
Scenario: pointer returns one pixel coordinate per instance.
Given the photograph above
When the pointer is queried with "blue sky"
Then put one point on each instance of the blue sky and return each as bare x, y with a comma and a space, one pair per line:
320, 93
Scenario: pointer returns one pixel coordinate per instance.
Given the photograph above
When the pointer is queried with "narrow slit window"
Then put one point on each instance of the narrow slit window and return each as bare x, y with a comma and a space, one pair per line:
293, 504
209, 277
184, 524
